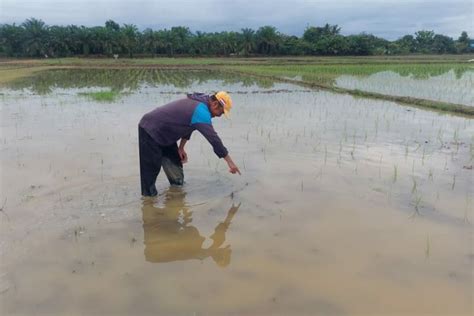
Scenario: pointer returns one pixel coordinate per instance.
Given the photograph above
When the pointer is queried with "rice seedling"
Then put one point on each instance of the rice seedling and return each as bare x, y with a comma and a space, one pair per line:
416, 204
471, 151
466, 208
423, 157
395, 173
428, 247
456, 135
320, 173
102, 169
2, 209
414, 187
345, 131
325, 154
454, 182
376, 126
417, 147
439, 137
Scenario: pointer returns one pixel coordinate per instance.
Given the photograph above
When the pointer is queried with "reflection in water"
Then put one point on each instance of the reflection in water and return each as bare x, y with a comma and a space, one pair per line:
168, 235
127, 79
447, 87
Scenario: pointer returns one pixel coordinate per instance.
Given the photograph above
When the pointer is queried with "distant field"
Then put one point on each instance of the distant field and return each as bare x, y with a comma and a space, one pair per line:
185, 61
319, 72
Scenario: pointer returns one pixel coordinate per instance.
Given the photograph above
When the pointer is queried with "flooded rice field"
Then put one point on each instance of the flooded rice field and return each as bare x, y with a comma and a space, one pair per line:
449, 87
345, 206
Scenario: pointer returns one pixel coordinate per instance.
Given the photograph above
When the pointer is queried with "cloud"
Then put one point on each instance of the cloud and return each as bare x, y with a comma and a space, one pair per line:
389, 19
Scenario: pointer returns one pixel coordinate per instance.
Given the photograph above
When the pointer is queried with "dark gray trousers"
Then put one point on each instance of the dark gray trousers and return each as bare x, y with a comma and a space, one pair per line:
152, 158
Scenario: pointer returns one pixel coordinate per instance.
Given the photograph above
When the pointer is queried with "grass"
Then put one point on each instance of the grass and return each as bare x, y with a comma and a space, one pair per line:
11, 73
326, 73
102, 96
180, 61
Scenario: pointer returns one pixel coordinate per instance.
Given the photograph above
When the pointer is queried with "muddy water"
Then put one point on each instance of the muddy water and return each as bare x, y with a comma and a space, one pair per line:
345, 206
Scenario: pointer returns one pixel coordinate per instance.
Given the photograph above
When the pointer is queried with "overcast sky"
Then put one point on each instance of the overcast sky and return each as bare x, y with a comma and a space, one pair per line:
389, 19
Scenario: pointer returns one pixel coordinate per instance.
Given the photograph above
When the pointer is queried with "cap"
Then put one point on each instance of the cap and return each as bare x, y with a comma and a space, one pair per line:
225, 100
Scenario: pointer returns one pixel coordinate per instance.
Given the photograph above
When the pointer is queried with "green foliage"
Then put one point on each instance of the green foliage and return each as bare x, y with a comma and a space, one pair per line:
313, 34
33, 38
424, 40
103, 96
462, 45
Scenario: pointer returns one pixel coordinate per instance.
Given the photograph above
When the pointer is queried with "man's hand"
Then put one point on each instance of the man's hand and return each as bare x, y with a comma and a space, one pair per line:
183, 155
232, 167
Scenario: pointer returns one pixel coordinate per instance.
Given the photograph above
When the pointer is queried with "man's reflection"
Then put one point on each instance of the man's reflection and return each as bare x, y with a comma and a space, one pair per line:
169, 237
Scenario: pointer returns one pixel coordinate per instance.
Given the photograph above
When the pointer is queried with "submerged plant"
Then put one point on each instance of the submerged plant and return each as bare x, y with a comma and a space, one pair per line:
423, 157
468, 203
325, 153
102, 96
414, 187
428, 246
416, 204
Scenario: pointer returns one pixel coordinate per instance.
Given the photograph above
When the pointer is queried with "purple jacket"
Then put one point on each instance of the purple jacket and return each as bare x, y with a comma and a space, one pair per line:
169, 123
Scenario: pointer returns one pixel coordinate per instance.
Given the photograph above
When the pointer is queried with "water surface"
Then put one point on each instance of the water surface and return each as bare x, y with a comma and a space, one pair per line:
345, 206
447, 87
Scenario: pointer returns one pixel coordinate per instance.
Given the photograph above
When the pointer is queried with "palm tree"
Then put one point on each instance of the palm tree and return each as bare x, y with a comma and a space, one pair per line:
151, 41
268, 40
11, 39
247, 41
58, 41
36, 33
83, 39
129, 37
180, 38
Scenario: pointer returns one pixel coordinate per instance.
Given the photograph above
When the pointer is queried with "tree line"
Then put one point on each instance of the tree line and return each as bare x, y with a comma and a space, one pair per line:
34, 38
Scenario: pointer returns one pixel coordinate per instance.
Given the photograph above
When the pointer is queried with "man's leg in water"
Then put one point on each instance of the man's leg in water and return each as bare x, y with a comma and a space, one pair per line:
150, 162
172, 165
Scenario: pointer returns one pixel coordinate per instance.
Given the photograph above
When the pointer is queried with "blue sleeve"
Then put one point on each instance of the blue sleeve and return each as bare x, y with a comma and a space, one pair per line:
201, 115
201, 120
